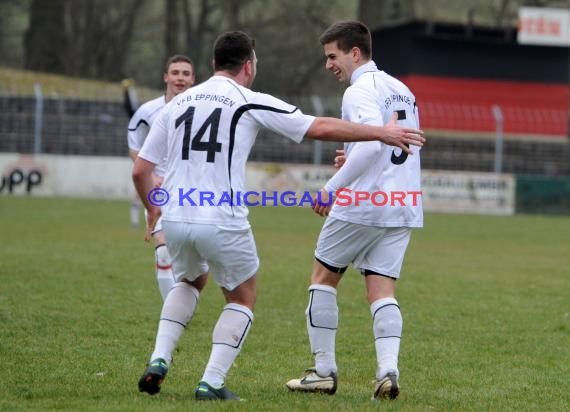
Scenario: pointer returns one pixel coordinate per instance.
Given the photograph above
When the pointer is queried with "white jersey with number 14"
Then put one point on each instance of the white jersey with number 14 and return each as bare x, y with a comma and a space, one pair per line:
206, 134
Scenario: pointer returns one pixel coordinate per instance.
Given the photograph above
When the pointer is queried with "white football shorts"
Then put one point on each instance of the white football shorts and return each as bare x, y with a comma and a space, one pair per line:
378, 249
231, 254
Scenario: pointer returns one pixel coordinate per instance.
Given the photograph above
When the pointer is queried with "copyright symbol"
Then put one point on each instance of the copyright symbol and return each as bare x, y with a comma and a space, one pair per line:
158, 196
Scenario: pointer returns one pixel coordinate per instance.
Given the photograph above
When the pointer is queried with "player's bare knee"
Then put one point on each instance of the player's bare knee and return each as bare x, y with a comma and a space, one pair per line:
244, 300
243, 294
325, 274
199, 283
379, 286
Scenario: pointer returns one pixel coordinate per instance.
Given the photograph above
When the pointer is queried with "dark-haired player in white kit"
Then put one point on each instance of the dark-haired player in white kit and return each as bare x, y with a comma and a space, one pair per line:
206, 134
178, 76
372, 237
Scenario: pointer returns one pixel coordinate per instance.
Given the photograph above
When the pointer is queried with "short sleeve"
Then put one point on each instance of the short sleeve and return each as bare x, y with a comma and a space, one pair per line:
280, 117
155, 145
137, 131
361, 106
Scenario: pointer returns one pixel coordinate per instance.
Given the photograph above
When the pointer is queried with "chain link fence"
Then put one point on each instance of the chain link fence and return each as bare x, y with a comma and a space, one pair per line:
76, 126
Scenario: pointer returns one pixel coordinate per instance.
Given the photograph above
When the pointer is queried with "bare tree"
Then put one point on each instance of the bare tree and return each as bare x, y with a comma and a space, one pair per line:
234, 7
502, 12
45, 38
172, 29
90, 38
499, 13
199, 25
377, 13
108, 39
12, 30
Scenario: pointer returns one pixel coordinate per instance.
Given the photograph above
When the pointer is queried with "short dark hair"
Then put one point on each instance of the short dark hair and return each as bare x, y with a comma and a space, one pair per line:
349, 34
231, 50
176, 59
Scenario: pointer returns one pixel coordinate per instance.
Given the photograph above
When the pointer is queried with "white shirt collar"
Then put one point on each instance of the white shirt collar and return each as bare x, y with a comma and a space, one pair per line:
367, 67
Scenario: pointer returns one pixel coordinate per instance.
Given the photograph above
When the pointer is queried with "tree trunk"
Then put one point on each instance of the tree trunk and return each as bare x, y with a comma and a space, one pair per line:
233, 15
378, 13
116, 64
45, 42
501, 13
197, 31
171, 31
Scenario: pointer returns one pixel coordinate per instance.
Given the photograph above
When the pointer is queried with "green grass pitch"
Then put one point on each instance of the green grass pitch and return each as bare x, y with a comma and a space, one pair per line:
485, 300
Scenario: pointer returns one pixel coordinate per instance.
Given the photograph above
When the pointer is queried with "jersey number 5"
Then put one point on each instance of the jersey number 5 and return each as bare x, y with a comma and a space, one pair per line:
211, 146
398, 160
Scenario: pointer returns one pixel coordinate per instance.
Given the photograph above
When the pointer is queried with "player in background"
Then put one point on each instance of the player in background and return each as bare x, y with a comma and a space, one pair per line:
370, 237
178, 76
206, 135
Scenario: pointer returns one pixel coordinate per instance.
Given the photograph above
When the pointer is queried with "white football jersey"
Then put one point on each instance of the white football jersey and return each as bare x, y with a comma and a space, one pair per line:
389, 177
206, 134
140, 123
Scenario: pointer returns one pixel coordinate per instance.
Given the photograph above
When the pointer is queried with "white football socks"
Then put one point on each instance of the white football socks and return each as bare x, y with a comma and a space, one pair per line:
227, 340
322, 323
177, 311
164, 275
387, 327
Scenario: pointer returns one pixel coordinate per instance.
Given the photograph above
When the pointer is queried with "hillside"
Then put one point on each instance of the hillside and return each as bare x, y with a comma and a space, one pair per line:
15, 82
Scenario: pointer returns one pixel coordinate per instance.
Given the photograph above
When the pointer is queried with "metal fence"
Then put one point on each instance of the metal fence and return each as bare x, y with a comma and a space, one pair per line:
94, 127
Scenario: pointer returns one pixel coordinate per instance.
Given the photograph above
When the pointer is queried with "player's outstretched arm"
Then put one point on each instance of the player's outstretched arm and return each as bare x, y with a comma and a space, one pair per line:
332, 129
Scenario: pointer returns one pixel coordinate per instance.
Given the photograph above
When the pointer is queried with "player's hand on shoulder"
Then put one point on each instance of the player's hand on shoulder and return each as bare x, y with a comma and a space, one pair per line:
402, 137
